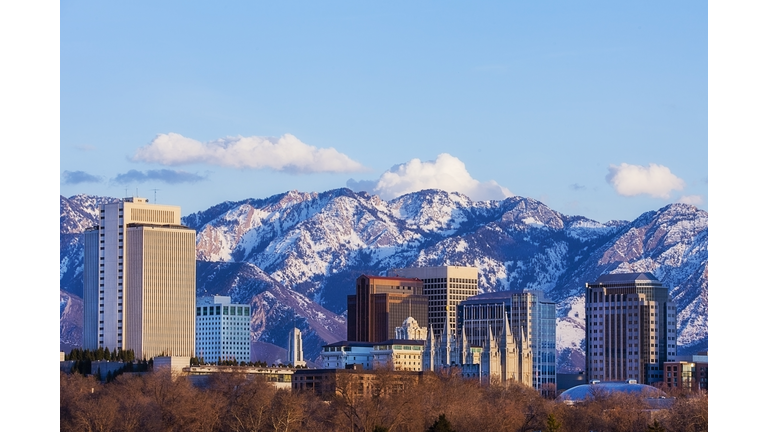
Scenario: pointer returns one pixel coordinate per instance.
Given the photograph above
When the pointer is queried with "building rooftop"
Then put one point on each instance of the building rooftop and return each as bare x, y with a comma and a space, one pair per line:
392, 278
371, 344
501, 295
589, 391
626, 277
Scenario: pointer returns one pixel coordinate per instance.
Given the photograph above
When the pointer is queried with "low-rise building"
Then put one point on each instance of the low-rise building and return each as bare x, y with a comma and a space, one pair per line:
279, 377
687, 372
393, 354
353, 382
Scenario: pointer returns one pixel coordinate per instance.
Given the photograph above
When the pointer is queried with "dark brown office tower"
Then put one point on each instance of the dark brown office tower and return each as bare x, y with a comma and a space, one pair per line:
381, 304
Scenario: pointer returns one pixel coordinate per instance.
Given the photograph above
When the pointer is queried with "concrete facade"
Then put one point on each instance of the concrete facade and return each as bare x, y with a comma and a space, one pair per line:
631, 328
446, 287
296, 348
139, 280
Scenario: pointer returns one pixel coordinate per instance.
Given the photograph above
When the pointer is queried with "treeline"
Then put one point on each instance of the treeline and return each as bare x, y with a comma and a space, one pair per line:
101, 354
232, 402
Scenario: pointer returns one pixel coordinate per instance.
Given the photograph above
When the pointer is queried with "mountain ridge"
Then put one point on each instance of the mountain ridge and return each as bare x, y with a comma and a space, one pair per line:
297, 247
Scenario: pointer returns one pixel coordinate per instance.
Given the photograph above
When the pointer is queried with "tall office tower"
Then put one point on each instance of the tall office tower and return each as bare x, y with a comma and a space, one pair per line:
532, 320
631, 328
381, 304
139, 280
295, 350
223, 330
446, 287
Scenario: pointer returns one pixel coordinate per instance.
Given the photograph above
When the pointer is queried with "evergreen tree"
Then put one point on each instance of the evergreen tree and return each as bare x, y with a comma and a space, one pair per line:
552, 424
656, 427
441, 425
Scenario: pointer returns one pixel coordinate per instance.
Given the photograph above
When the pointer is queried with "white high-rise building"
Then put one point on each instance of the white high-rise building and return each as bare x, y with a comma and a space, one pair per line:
295, 349
139, 280
446, 287
223, 330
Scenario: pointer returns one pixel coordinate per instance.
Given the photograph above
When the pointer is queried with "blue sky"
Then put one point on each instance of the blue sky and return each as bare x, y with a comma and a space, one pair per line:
595, 108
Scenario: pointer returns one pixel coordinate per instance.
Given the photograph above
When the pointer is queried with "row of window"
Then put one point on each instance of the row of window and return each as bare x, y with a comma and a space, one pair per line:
223, 310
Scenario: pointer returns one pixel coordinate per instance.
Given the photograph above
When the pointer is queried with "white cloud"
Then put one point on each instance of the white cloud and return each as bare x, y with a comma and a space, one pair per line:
654, 180
691, 199
286, 153
446, 173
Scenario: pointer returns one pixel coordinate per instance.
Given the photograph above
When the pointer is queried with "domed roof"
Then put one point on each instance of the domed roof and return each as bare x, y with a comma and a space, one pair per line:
588, 391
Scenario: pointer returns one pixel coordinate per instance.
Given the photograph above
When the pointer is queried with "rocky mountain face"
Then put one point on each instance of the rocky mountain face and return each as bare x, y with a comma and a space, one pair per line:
295, 256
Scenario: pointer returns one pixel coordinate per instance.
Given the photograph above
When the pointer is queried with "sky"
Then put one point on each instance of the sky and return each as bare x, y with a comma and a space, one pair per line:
596, 109
558, 95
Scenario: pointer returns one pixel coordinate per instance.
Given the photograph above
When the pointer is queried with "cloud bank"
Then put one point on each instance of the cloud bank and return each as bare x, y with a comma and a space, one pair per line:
77, 177
286, 153
164, 175
654, 180
447, 173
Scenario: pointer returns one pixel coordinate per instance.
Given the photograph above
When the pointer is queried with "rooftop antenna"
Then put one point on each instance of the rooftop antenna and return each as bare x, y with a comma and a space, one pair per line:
137, 192
126, 192
155, 201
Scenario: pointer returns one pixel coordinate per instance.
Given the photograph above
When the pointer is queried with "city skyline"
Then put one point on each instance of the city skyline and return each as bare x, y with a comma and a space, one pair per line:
600, 112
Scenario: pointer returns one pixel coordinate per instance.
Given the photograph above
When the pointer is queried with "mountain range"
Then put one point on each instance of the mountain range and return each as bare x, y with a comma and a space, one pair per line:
295, 257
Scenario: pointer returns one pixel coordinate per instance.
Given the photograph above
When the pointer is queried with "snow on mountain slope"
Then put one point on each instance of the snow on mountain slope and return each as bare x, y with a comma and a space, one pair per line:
293, 252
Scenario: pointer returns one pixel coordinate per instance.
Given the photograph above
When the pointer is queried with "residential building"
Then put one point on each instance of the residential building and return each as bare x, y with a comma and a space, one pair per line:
532, 320
295, 349
381, 304
223, 330
631, 328
139, 280
446, 287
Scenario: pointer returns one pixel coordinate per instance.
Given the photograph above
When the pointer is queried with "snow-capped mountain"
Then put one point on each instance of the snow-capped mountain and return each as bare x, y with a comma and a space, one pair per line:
295, 256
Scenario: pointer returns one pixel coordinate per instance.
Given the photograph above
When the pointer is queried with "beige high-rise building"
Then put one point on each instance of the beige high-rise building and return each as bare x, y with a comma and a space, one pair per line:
139, 280
631, 328
446, 287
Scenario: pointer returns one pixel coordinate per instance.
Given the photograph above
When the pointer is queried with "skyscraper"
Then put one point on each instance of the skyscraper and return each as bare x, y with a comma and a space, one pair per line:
445, 287
381, 304
139, 280
631, 328
532, 320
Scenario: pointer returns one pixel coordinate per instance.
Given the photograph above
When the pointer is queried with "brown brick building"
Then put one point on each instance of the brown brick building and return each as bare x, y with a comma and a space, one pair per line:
381, 304
687, 372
